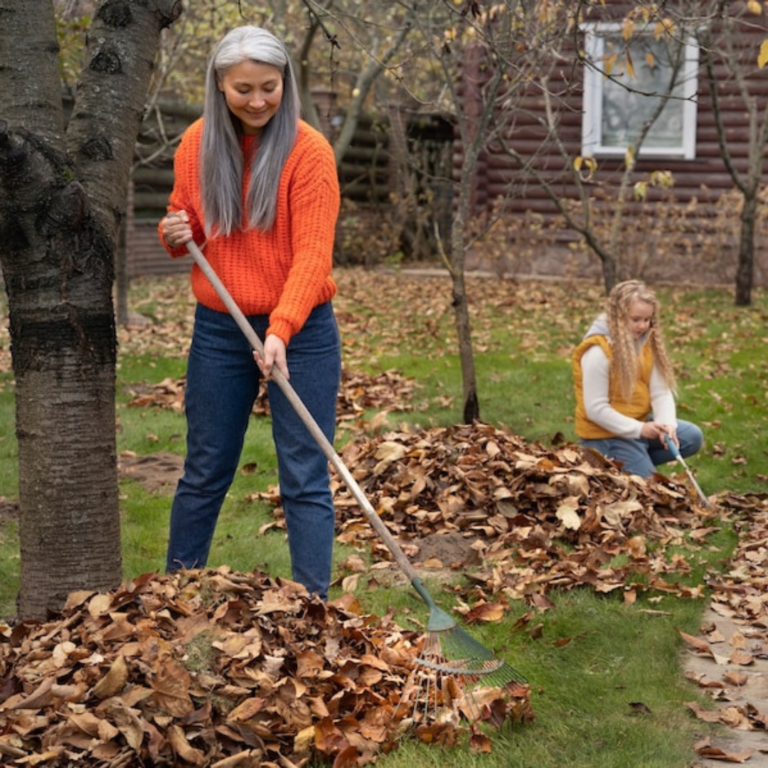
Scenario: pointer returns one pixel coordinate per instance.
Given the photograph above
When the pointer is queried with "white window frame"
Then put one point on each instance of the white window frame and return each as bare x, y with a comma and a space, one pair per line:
592, 117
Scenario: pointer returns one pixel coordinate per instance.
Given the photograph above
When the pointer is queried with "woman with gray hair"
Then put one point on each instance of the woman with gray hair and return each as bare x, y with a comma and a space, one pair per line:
257, 188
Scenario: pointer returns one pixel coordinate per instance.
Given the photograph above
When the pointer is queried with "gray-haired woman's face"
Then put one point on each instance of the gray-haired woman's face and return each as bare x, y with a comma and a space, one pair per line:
253, 92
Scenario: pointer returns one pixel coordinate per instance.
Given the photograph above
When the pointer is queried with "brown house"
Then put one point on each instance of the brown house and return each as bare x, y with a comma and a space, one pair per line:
682, 204
682, 207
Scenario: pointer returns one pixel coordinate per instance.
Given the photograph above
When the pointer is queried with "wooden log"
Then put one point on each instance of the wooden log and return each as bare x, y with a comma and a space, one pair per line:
157, 177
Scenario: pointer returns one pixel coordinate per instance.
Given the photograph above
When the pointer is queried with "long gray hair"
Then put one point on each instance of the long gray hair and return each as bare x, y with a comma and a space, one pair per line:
221, 157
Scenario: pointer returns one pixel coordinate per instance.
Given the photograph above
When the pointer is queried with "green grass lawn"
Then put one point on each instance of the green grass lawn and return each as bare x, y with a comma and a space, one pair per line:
589, 657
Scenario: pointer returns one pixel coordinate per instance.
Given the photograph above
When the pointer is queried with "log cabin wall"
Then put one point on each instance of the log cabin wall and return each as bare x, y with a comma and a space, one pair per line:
151, 184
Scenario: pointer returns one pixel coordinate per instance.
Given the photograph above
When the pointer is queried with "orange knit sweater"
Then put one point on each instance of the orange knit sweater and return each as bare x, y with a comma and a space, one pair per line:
284, 272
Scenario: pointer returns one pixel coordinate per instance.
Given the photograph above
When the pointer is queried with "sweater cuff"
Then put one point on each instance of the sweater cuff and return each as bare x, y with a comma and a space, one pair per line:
282, 329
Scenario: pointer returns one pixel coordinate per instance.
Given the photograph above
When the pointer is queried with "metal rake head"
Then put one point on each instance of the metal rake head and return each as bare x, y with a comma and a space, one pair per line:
448, 675
455, 652
450, 668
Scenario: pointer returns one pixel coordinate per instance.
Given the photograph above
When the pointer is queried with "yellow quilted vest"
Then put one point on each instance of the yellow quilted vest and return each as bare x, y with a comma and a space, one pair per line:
637, 407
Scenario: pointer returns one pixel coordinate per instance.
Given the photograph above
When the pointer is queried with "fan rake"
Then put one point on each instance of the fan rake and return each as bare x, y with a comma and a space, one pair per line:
451, 668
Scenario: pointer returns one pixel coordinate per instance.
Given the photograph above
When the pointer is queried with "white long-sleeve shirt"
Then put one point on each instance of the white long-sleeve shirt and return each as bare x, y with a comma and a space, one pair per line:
595, 369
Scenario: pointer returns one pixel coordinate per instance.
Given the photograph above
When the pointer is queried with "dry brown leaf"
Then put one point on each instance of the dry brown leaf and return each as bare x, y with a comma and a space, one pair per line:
734, 677
707, 715
171, 684
114, 681
487, 612
182, 748
715, 753
696, 644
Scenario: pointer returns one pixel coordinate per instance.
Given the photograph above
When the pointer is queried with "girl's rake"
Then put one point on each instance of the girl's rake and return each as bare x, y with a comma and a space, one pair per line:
448, 649
675, 451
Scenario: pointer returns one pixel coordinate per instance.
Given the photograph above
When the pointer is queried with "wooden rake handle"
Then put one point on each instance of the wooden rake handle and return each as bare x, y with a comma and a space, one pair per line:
305, 416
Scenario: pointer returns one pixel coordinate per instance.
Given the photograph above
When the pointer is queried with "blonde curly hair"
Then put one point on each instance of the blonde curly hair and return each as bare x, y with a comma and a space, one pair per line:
624, 362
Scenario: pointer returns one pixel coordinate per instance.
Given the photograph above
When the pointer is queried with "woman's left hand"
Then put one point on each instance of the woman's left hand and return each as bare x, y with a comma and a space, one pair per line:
274, 355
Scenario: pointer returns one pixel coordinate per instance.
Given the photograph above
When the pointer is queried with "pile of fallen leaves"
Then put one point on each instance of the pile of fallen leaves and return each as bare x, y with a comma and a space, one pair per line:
217, 668
358, 392
533, 518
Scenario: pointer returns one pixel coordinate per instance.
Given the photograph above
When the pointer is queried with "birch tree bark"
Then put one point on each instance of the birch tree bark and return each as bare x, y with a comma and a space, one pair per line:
62, 197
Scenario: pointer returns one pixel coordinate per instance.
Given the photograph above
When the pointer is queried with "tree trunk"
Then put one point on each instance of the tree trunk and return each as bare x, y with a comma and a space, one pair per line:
472, 133
746, 260
471, 408
63, 336
608, 264
62, 197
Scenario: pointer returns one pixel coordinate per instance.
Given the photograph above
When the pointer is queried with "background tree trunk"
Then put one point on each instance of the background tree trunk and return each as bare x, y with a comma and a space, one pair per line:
62, 196
471, 404
739, 62
472, 129
746, 259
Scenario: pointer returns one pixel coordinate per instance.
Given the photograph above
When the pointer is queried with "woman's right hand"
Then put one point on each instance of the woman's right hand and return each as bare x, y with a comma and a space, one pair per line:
274, 357
176, 229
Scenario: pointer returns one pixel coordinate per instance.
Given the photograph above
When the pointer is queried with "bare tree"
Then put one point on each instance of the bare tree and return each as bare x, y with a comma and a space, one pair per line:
482, 58
371, 42
62, 197
670, 40
725, 40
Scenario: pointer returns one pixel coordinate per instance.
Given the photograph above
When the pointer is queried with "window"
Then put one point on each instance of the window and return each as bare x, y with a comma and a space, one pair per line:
616, 107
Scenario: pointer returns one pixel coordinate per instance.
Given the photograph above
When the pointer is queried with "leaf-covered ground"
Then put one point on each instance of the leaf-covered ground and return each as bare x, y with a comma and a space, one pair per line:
215, 668
228, 669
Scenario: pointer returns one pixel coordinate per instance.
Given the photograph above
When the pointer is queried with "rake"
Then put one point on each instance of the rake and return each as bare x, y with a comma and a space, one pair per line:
676, 453
448, 650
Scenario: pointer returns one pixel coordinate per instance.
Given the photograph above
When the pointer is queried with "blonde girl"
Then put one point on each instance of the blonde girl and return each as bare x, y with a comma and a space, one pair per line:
625, 385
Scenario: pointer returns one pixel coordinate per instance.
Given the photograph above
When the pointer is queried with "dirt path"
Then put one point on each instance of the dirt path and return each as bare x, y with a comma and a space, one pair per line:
736, 675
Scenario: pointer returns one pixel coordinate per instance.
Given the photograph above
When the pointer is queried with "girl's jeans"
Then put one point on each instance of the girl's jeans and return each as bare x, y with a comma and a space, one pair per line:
222, 385
641, 457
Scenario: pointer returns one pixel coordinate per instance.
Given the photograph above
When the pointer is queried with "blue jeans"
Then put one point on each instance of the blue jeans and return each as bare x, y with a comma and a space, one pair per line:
641, 457
222, 385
